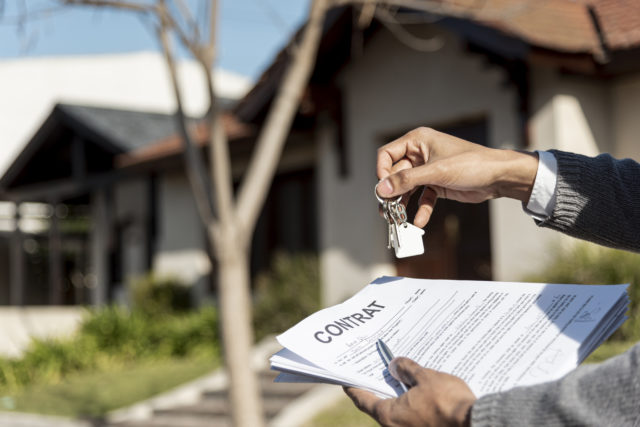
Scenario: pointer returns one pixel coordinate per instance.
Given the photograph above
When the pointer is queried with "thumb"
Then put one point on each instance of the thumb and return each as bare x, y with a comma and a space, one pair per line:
401, 182
406, 371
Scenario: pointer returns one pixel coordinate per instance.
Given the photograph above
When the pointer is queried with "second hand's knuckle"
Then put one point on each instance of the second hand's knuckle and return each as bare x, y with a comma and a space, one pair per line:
381, 413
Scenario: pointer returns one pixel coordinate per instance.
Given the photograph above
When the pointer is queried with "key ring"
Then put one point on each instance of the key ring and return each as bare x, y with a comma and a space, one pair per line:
380, 199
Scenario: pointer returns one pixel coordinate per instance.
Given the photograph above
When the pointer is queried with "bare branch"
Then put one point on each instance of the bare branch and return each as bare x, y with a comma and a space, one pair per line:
273, 15
367, 11
192, 43
210, 50
264, 160
430, 44
189, 43
29, 16
220, 159
195, 168
119, 4
188, 17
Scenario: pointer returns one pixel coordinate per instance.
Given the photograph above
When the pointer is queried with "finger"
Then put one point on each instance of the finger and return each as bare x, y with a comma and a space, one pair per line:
406, 371
388, 155
397, 167
426, 204
393, 152
401, 164
364, 400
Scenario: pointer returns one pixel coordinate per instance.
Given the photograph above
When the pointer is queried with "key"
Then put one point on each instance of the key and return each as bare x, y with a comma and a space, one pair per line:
393, 236
409, 240
387, 216
404, 238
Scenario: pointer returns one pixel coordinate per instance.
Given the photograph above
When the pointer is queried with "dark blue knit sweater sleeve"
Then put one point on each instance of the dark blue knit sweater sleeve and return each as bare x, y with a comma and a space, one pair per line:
598, 199
607, 394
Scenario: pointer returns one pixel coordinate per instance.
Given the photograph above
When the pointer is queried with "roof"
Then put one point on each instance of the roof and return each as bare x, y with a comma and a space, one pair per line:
31, 87
571, 26
561, 25
171, 144
620, 22
579, 35
126, 129
107, 135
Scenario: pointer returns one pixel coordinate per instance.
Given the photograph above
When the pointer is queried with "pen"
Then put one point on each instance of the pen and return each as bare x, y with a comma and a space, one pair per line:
386, 355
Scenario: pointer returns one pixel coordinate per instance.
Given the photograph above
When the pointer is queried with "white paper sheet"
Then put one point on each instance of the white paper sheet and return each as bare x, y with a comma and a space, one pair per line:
494, 335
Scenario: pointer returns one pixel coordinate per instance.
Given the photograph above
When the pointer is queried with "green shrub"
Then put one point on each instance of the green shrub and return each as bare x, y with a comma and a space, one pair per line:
157, 295
135, 334
586, 263
289, 292
111, 337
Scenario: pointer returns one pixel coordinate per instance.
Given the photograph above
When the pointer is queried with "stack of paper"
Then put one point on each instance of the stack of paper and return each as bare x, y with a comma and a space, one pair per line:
494, 335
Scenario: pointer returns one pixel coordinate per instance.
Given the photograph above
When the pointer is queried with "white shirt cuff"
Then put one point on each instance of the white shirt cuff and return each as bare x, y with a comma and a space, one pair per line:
543, 196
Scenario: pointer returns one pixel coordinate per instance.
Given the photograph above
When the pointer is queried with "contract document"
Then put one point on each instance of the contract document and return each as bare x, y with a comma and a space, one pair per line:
493, 335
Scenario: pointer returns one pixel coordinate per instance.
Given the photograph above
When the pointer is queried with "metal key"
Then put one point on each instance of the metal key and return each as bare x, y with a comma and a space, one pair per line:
385, 213
393, 237
403, 237
408, 237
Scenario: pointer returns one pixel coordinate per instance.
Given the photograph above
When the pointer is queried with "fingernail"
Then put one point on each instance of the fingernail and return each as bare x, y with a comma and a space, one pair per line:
385, 188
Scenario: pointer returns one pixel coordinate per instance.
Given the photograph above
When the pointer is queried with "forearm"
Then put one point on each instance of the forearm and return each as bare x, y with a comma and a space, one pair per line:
592, 395
598, 199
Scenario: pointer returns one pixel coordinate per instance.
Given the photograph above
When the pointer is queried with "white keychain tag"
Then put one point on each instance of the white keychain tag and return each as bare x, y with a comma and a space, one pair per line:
403, 237
409, 240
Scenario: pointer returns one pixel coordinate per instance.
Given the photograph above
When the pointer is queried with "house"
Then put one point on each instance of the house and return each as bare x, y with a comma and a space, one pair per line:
525, 74
117, 204
132, 81
48, 99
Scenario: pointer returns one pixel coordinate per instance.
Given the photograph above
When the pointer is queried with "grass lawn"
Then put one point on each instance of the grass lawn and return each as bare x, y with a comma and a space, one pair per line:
609, 349
94, 394
344, 414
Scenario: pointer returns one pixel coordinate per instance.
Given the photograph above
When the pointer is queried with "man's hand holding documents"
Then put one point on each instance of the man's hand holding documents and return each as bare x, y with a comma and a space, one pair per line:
493, 335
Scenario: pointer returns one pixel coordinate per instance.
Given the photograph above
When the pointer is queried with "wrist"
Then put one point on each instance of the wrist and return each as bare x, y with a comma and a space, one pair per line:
517, 175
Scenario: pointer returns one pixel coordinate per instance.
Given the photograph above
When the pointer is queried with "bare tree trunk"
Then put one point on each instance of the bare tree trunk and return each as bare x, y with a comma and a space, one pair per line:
233, 248
273, 135
230, 222
237, 330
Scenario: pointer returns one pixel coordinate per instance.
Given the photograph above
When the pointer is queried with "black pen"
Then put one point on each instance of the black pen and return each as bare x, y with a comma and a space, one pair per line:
386, 355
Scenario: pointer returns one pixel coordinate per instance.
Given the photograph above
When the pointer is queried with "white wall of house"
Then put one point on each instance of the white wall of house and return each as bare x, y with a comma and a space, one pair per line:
131, 214
99, 236
570, 113
181, 250
626, 113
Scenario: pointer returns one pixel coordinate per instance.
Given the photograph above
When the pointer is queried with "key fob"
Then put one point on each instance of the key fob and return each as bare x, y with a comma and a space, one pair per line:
409, 240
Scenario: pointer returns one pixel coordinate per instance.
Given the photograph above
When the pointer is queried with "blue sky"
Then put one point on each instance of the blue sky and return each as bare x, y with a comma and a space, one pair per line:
250, 32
